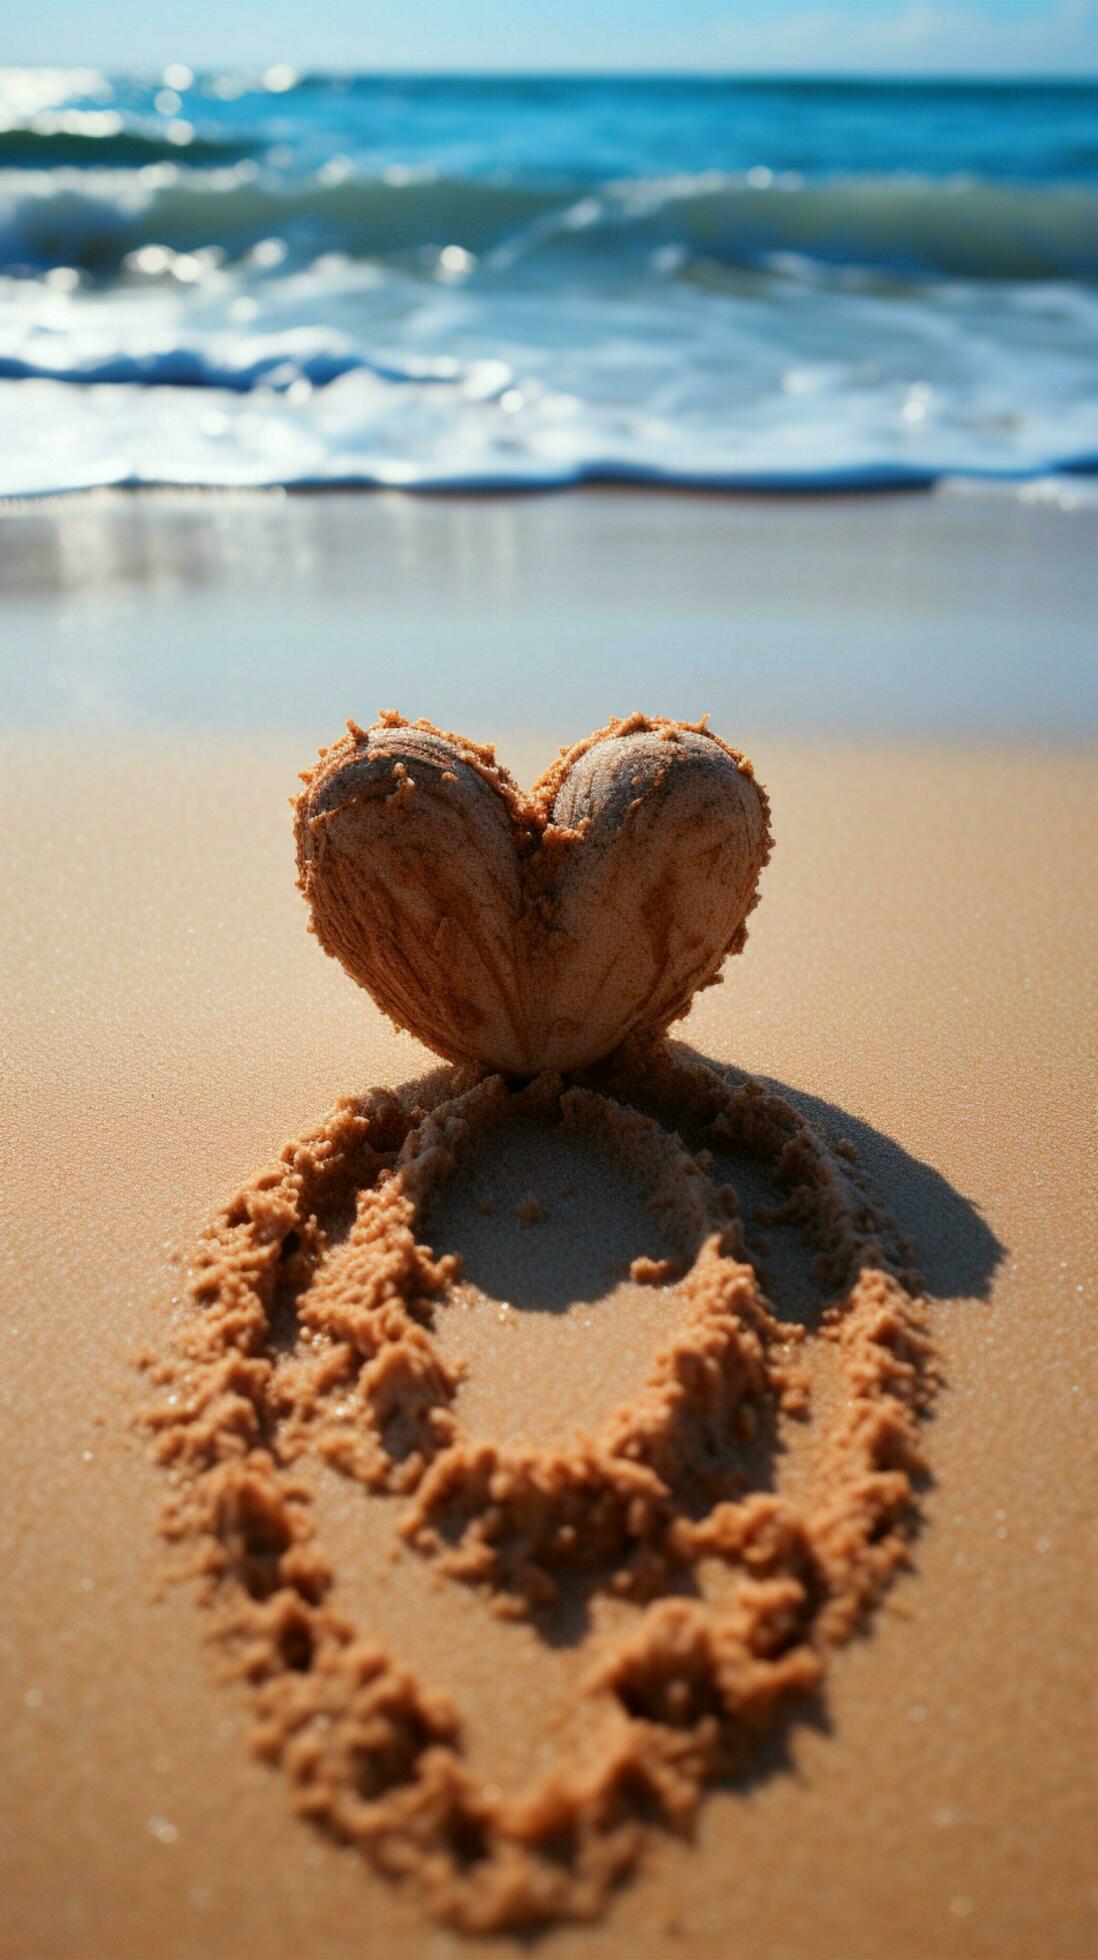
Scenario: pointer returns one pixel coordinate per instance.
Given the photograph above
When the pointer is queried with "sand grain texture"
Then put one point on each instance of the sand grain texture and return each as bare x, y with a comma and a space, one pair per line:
917, 976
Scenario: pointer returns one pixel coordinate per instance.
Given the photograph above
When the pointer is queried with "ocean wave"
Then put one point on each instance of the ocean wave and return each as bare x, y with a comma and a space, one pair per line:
110, 146
272, 363
95, 222
368, 430
907, 227
960, 229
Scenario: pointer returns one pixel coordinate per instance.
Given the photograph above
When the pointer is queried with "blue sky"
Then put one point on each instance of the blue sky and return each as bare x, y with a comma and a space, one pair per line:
994, 37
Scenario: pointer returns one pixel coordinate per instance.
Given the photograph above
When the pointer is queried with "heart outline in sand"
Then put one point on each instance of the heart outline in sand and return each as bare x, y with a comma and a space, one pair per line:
532, 931
374, 1752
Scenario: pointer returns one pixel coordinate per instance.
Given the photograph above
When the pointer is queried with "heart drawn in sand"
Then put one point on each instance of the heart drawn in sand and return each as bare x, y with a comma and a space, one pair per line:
533, 930
709, 1588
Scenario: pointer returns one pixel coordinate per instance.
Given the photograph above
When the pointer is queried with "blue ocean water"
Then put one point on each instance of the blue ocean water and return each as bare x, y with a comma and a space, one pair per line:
272, 278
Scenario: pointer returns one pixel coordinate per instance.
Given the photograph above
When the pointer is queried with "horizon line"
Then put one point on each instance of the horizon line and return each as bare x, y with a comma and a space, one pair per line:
856, 78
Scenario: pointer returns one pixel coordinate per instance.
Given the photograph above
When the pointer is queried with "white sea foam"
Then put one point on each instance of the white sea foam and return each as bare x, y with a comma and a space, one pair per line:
280, 279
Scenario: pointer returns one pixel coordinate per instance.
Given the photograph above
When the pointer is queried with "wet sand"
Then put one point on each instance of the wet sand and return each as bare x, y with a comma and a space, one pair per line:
948, 616
917, 977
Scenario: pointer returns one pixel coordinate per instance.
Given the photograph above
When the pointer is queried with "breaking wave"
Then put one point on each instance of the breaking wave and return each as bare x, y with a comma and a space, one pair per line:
901, 227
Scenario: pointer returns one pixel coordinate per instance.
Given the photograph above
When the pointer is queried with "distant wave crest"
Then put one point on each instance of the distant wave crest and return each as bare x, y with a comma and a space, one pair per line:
119, 147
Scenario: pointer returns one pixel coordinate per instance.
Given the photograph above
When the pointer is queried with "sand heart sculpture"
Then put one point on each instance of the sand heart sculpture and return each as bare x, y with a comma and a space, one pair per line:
531, 931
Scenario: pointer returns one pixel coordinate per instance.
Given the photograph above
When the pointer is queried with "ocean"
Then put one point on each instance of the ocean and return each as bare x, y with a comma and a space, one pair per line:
266, 279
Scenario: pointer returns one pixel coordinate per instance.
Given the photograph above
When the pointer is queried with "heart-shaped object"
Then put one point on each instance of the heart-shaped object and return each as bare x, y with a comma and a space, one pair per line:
531, 931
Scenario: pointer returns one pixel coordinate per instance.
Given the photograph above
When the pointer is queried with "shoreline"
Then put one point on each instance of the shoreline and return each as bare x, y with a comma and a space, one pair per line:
997, 486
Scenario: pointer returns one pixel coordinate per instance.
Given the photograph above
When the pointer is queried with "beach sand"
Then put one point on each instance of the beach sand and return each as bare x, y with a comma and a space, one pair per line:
916, 977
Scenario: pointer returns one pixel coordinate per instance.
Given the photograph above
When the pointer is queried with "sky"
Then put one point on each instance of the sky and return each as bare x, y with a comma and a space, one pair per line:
855, 37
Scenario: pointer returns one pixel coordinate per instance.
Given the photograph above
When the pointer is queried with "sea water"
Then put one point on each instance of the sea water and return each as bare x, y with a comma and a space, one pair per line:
267, 278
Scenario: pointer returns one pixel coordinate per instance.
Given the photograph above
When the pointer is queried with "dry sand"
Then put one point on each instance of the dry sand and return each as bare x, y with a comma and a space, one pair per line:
917, 974
916, 977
